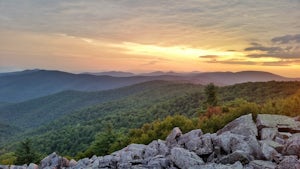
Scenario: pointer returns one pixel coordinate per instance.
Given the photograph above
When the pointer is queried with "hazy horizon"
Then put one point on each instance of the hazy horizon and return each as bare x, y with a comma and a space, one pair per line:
146, 36
137, 73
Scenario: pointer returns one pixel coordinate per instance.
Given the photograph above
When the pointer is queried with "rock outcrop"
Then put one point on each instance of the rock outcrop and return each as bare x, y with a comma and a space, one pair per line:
273, 142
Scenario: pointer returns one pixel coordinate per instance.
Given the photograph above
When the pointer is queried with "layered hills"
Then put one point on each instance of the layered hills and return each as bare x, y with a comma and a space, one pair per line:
24, 85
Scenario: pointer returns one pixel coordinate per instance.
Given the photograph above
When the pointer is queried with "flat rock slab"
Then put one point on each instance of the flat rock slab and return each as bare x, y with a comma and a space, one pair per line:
276, 121
260, 164
243, 125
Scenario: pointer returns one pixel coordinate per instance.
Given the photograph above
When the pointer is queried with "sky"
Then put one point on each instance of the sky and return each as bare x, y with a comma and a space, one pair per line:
151, 35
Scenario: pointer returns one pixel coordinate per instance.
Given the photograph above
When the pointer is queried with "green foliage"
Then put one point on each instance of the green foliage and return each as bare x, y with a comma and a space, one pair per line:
6, 131
38, 112
258, 92
25, 153
289, 106
211, 95
101, 145
236, 109
76, 132
8, 158
160, 129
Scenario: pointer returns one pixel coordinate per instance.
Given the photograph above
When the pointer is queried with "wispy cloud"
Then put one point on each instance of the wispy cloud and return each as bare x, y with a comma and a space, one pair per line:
287, 39
285, 47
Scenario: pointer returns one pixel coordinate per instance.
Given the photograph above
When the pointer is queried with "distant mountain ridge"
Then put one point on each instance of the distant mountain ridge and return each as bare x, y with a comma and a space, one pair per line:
111, 73
29, 84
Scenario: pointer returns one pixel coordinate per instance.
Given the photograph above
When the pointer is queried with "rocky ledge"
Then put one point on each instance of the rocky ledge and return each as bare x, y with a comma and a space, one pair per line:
273, 142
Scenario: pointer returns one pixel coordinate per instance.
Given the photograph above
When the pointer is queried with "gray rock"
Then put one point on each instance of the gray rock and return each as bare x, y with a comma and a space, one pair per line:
236, 165
275, 121
205, 145
279, 140
185, 159
292, 146
110, 161
173, 137
158, 162
33, 166
18, 167
201, 145
72, 163
124, 165
4, 167
278, 147
243, 125
55, 161
139, 167
289, 162
83, 163
236, 156
232, 142
269, 152
260, 164
132, 152
268, 133
194, 134
156, 148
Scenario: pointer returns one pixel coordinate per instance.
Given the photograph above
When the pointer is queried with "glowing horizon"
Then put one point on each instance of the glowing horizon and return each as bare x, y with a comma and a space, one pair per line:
144, 36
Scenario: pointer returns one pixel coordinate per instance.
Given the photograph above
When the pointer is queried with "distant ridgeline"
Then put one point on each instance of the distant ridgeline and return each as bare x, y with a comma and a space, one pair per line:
30, 84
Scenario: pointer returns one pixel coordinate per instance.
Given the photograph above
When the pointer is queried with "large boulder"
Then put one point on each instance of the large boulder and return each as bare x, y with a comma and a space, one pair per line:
185, 159
156, 147
275, 145
54, 161
289, 162
201, 144
269, 152
185, 138
173, 137
292, 146
109, 161
158, 162
133, 153
229, 143
243, 125
83, 163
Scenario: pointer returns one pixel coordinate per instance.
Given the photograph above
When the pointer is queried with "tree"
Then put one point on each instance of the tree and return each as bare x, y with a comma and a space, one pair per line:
211, 95
102, 143
25, 153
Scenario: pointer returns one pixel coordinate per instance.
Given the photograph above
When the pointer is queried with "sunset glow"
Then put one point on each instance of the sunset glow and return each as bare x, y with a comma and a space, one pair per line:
144, 36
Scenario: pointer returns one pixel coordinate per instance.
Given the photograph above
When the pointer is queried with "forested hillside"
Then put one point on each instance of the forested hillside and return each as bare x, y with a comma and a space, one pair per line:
155, 106
37, 112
